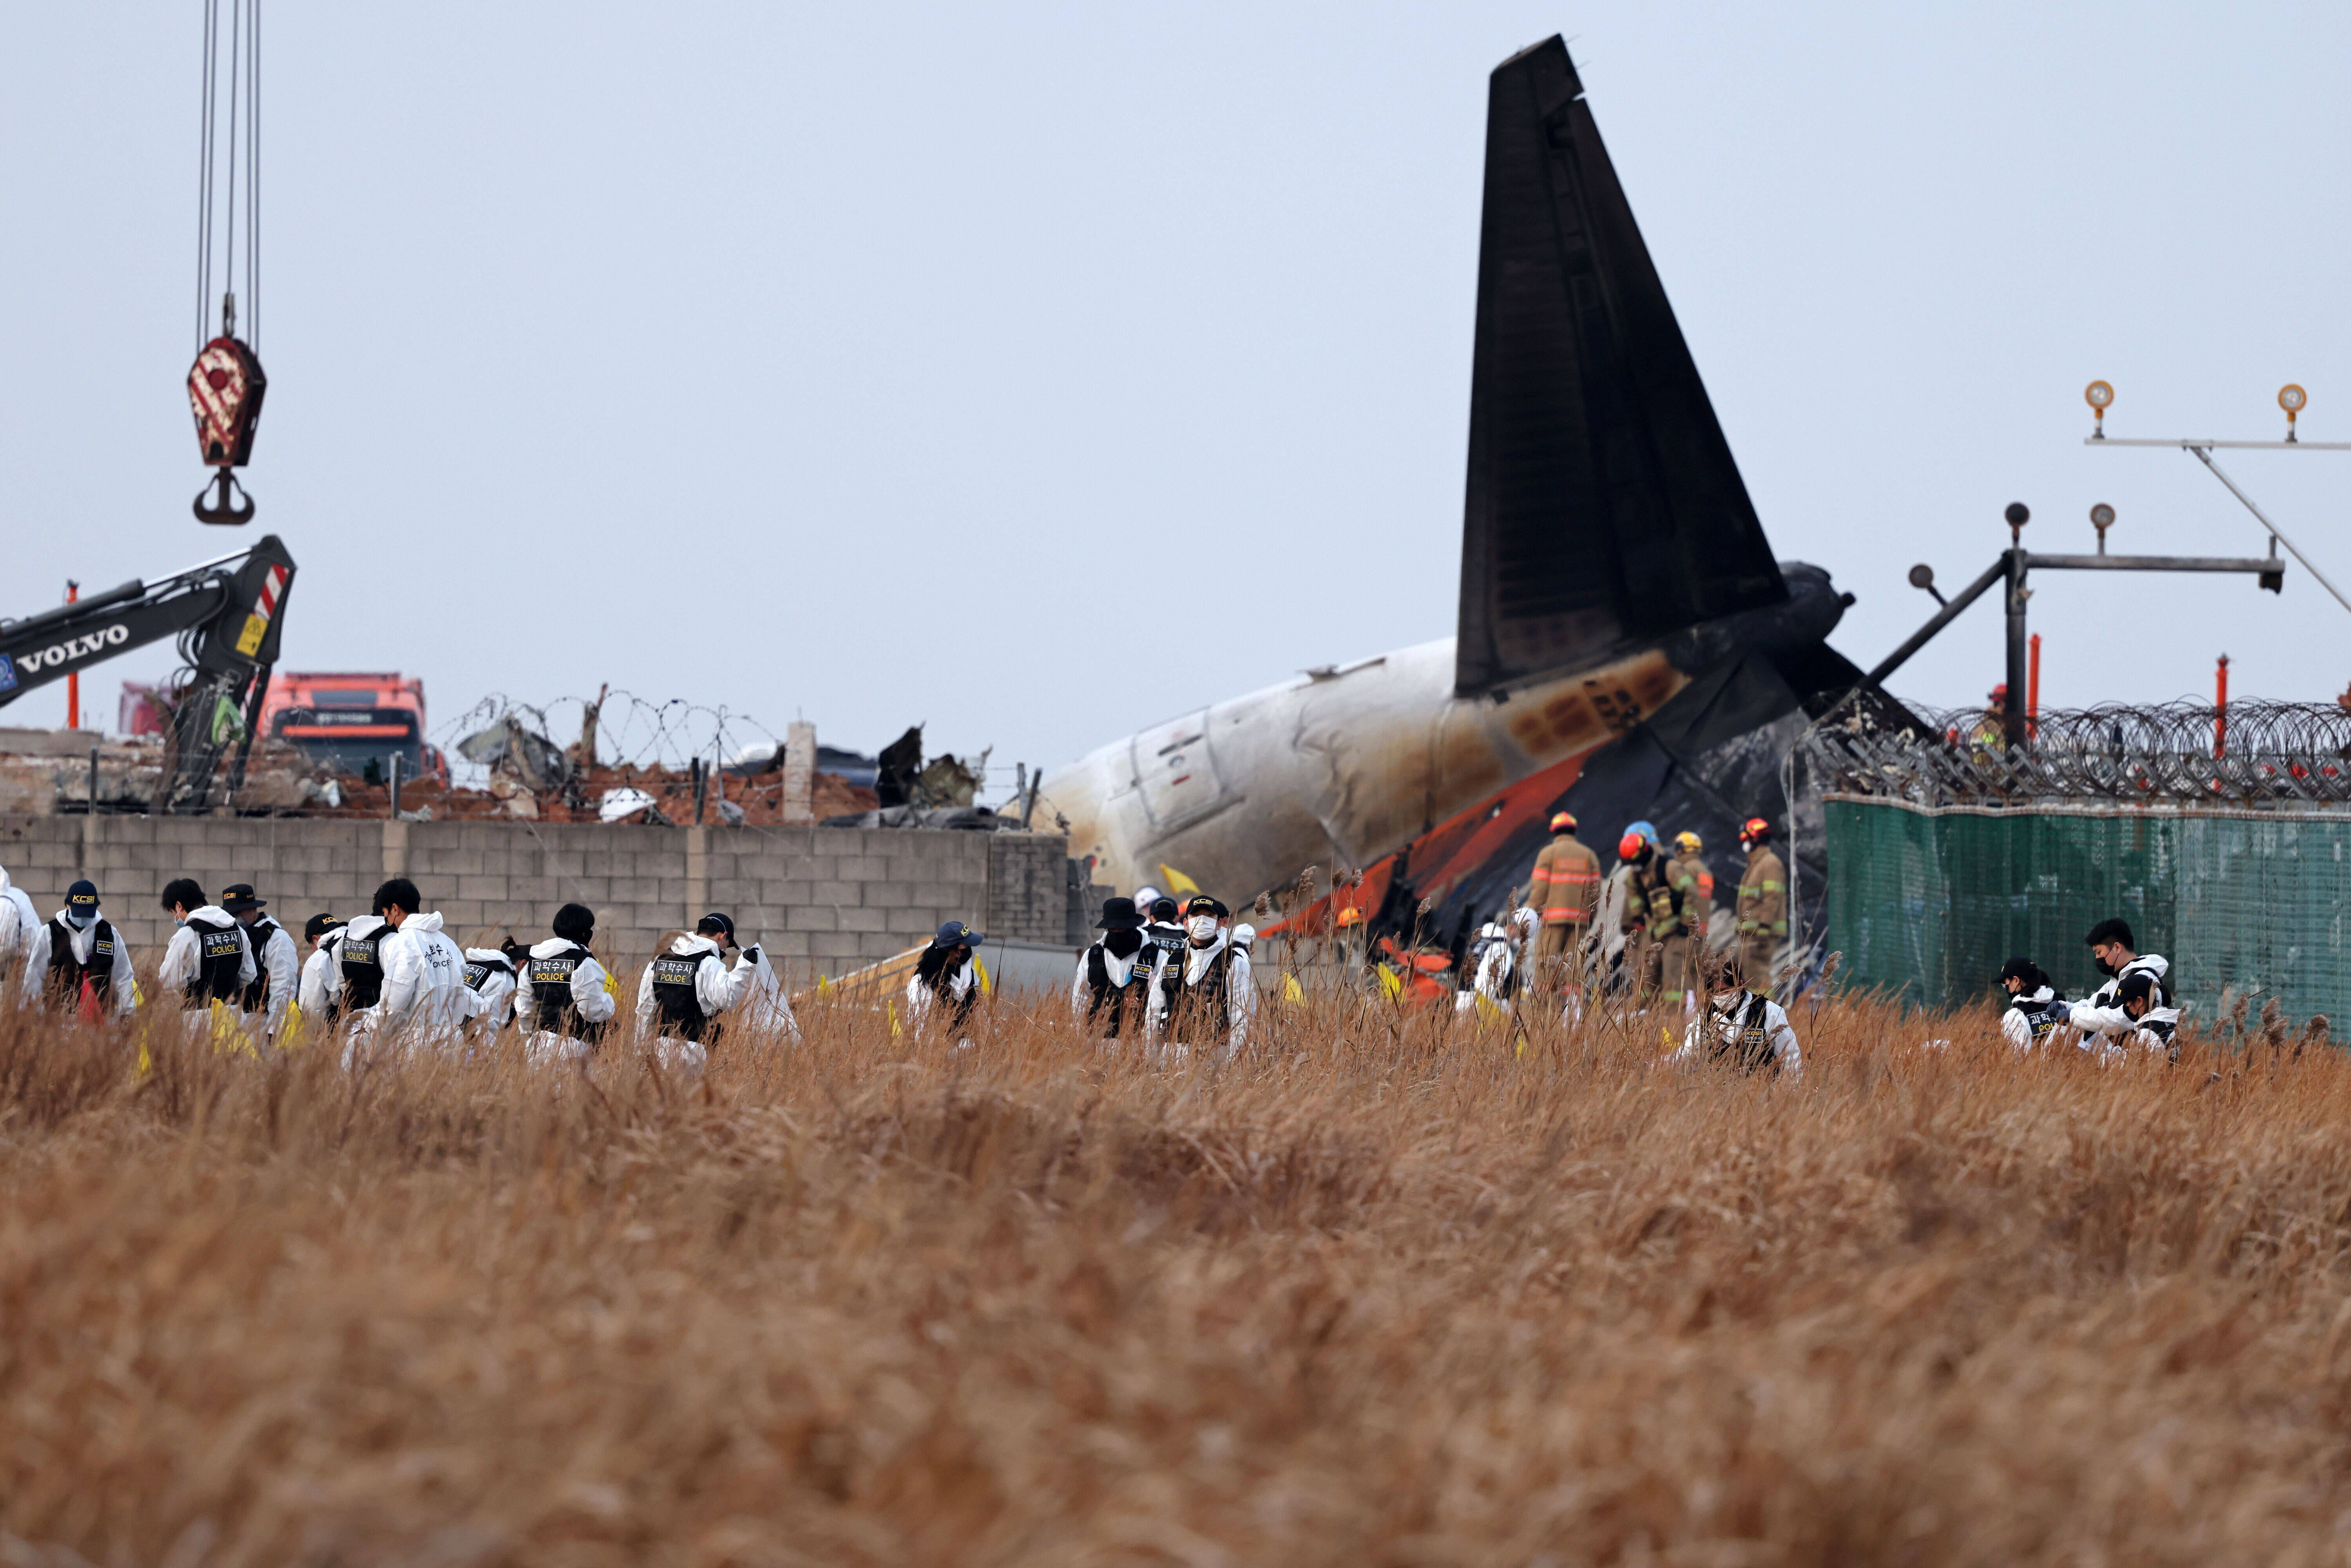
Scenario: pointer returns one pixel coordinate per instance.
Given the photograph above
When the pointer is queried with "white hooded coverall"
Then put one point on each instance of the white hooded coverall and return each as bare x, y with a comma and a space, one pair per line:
424, 994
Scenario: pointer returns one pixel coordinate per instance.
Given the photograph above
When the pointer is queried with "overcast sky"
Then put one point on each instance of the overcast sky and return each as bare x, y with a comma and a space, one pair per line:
1040, 371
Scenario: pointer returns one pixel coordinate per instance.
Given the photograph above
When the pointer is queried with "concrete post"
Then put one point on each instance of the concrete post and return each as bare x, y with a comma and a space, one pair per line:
799, 772
395, 847
697, 875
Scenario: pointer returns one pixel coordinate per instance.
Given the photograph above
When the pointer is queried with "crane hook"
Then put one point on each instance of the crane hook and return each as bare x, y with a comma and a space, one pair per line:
225, 510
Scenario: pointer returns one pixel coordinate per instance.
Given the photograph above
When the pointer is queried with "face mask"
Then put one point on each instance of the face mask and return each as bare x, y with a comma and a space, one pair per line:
80, 921
1123, 944
2104, 967
1202, 927
1724, 1000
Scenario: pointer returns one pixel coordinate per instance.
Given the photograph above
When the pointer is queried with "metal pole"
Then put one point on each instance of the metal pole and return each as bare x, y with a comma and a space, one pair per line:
93, 780
2033, 687
2204, 456
2220, 710
394, 777
1941, 617
2013, 705
73, 681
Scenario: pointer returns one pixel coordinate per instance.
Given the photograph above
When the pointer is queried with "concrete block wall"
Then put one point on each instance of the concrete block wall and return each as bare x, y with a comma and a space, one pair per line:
823, 900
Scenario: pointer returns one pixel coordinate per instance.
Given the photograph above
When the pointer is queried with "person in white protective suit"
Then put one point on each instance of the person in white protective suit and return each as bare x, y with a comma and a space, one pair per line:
425, 1002
945, 987
1739, 1027
78, 961
208, 963
265, 1002
2102, 1019
2154, 1023
346, 992
2035, 1013
1498, 961
493, 976
761, 1008
567, 998
1207, 995
1118, 974
18, 921
318, 993
686, 987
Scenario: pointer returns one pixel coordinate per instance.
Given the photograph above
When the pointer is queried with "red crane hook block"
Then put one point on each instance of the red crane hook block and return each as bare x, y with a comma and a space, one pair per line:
224, 389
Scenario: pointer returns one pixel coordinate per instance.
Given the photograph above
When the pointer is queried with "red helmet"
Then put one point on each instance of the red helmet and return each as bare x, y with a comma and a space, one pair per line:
1630, 846
1754, 828
1563, 823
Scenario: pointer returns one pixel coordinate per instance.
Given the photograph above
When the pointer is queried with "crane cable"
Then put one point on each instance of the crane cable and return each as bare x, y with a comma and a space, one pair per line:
221, 181
225, 385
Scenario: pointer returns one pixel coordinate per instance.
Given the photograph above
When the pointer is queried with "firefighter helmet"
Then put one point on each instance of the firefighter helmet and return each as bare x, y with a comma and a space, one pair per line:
1563, 823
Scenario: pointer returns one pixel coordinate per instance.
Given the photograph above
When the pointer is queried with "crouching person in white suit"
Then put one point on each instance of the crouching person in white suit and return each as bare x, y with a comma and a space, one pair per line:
1739, 1027
567, 997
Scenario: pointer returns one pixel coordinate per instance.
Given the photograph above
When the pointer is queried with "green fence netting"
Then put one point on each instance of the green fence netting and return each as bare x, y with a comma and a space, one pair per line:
1926, 902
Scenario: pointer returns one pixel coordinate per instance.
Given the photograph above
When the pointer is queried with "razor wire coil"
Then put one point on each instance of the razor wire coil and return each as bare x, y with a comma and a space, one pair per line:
2250, 755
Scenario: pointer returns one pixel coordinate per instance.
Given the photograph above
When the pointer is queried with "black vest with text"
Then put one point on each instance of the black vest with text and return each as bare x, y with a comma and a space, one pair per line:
362, 964
257, 995
675, 997
479, 970
220, 952
1749, 1044
550, 995
1199, 1010
2041, 1018
1112, 1007
67, 973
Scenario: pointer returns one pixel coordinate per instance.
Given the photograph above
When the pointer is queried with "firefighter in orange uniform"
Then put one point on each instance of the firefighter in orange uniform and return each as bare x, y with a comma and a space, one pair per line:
1762, 906
1563, 891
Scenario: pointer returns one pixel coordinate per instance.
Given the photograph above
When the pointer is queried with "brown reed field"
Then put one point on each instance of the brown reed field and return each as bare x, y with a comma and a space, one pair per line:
1381, 1291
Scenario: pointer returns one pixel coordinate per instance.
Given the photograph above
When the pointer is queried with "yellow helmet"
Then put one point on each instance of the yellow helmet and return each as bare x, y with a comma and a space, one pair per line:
1688, 842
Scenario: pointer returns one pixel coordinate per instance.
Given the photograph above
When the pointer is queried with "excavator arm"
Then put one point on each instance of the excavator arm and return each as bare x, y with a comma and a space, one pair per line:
226, 614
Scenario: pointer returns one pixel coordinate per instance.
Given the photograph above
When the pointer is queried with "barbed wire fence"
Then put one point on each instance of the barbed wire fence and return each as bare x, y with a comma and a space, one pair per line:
631, 732
2256, 754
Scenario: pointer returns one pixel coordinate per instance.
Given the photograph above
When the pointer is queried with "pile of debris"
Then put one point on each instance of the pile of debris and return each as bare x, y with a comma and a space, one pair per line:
46, 772
530, 778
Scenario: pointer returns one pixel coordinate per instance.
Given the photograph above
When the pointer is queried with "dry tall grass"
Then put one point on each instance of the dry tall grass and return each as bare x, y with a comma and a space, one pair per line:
1374, 1295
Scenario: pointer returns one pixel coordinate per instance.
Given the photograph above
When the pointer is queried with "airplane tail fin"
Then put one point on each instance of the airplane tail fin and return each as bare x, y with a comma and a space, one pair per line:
1604, 511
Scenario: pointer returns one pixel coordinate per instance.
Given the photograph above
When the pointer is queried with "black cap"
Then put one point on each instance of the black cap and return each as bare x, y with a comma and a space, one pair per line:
956, 932
318, 925
1163, 909
2024, 970
1118, 914
1201, 904
237, 897
716, 924
2137, 986
82, 895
